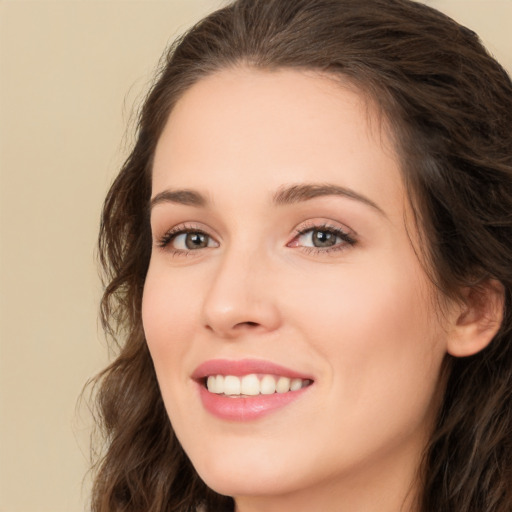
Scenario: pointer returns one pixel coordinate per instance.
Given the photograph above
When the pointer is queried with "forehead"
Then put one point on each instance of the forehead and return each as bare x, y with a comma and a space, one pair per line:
278, 127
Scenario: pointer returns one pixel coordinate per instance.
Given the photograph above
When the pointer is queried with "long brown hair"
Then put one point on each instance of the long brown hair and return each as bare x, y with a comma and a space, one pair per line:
450, 106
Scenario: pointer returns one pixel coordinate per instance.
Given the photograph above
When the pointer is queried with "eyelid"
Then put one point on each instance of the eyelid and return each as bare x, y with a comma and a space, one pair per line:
326, 224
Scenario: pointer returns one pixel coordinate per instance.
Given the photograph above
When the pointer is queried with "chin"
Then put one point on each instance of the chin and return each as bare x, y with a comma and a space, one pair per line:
254, 486
247, 478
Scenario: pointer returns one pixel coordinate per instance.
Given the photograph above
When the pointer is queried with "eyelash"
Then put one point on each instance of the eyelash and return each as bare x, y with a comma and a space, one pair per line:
348, 239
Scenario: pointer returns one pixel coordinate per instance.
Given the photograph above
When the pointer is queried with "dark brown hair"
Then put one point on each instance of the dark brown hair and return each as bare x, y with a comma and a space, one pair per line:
450, 106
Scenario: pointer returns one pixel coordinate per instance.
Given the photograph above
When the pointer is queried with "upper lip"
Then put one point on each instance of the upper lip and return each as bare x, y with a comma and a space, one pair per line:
242, 367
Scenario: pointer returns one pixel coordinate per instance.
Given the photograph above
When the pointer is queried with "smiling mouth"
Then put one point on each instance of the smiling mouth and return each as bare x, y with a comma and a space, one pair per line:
253, 385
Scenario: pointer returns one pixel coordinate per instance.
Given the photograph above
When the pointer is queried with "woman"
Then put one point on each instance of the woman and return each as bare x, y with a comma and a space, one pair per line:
308, 269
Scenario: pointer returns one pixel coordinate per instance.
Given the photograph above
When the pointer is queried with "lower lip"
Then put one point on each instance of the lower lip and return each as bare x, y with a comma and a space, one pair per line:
246, 408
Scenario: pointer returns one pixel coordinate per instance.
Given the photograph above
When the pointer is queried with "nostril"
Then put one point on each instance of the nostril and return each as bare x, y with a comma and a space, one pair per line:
247, 324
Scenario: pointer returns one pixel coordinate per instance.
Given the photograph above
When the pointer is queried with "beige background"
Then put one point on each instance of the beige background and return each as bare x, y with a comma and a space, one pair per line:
70, 73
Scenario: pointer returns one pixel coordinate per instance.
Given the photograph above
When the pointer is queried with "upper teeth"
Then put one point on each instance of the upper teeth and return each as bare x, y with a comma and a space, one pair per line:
253, 384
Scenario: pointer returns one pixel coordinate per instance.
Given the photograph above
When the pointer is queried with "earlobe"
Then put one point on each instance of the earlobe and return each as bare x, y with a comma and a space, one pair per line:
478, 320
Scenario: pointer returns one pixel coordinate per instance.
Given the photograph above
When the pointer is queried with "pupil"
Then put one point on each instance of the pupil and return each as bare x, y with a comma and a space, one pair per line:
323, 239
196, 241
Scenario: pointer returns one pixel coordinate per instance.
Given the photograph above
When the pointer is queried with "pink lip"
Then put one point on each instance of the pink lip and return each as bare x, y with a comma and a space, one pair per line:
244, 408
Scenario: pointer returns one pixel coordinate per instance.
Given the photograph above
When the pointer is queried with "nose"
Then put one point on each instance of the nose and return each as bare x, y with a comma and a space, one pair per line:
241, 298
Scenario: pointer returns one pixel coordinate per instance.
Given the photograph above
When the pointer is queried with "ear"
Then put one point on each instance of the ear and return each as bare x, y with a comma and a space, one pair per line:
478, 320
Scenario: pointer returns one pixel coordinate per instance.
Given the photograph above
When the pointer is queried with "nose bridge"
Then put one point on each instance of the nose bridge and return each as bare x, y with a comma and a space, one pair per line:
239, 297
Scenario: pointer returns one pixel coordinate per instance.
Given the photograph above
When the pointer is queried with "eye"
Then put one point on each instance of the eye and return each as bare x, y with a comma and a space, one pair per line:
322, 238
183, 240
318, 238
192, 240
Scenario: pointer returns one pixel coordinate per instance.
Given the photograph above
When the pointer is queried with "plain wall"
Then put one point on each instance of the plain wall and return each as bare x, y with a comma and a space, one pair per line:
70, 73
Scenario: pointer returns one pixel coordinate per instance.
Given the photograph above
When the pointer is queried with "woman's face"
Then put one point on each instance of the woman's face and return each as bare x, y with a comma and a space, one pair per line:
281, 258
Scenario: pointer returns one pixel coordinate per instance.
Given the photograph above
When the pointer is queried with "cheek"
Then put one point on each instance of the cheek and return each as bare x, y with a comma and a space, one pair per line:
166, 317
362, 306
379, 333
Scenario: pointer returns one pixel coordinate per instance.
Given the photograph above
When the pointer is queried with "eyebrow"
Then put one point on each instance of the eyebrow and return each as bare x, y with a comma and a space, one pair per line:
305, 191
288, 194
185, 197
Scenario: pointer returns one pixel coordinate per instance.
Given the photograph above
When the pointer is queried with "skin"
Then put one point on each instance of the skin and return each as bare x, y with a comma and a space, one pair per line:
359, 318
